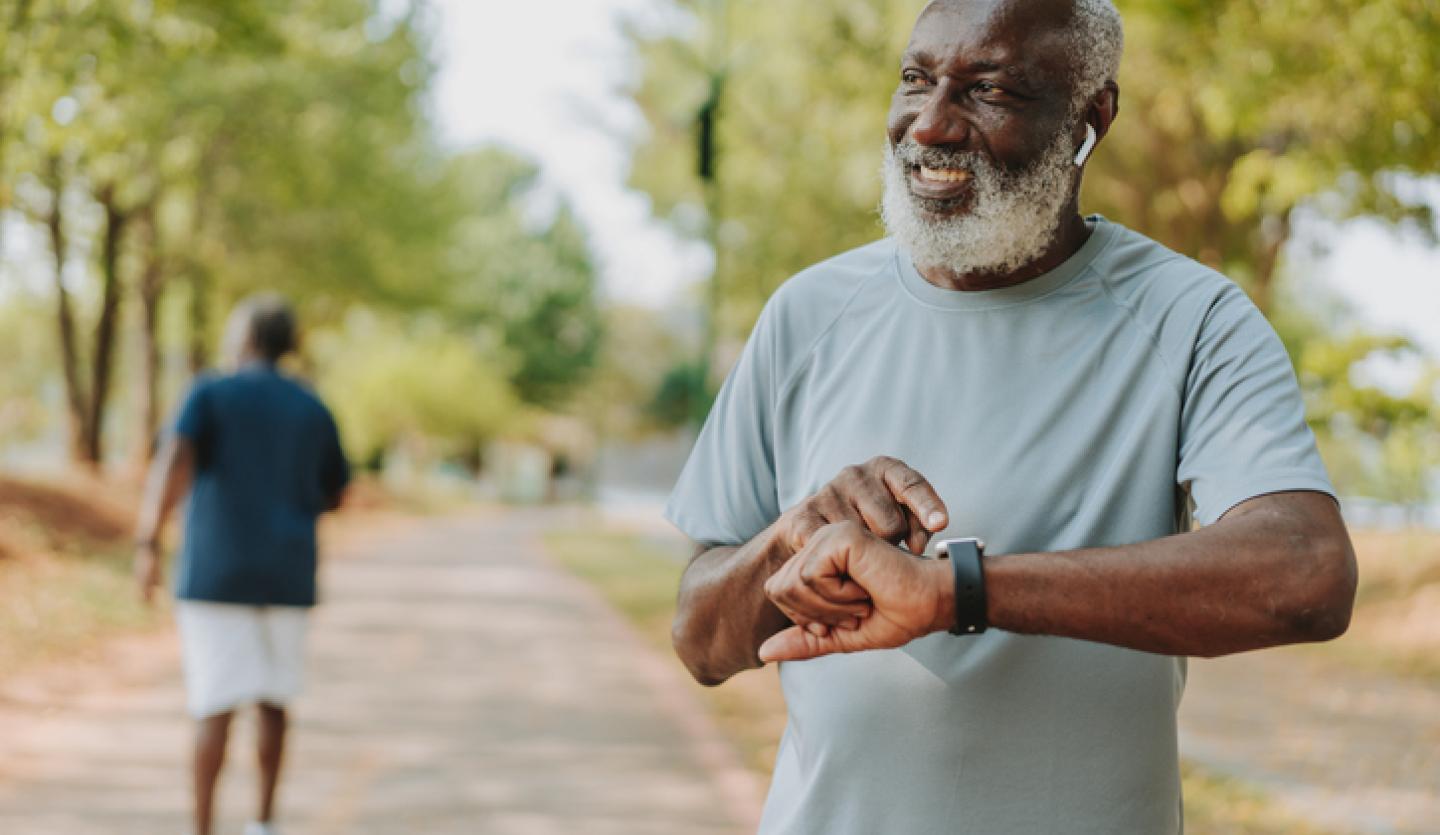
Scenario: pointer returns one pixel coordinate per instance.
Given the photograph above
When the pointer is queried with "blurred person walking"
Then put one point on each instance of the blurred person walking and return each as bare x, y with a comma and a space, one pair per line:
259, 456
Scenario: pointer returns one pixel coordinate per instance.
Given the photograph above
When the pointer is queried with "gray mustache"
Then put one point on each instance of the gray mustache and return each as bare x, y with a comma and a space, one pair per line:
911, 153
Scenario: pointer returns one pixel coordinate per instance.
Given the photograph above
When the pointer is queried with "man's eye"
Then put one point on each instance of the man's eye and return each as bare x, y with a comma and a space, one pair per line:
988, 87
914, 78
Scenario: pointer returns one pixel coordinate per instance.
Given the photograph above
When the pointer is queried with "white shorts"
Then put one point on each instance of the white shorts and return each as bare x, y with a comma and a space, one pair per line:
237, 654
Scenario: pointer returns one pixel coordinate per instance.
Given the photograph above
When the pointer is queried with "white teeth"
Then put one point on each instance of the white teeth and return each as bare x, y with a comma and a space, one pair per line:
944, 175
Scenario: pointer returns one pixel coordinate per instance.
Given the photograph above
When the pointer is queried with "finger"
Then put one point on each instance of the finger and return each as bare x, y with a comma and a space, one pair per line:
795, 644
918, 537
792, 644
802, 605
802, 526
871, 502
821, 578
914, 491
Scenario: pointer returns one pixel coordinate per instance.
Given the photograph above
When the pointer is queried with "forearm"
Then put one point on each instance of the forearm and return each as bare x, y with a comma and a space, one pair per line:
722, 614
1275, 573
166, 484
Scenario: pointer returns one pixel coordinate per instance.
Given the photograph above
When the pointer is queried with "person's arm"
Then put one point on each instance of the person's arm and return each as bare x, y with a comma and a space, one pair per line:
723, 615
170, 475
1276, 569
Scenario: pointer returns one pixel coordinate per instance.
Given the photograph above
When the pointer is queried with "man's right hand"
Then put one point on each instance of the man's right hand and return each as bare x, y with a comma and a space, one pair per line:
884, 495
723, 615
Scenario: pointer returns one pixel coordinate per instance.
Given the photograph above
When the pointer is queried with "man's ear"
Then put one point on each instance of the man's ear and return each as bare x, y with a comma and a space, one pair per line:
1104, 108
1097, 120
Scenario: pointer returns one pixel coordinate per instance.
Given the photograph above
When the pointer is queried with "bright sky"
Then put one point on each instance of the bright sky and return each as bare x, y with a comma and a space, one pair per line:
542, 76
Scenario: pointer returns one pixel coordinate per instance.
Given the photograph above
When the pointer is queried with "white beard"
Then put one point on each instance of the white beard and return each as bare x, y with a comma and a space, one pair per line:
1011, 218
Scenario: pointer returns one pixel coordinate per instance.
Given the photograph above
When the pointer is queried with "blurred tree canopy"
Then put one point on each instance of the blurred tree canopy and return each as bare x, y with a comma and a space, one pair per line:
180, 153
1233, 116
392, 384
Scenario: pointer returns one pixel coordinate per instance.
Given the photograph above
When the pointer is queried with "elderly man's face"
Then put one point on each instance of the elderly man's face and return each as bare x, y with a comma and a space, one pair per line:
978, 166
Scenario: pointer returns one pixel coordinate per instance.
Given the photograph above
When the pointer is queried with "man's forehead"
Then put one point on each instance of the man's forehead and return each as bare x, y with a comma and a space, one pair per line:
1024, 37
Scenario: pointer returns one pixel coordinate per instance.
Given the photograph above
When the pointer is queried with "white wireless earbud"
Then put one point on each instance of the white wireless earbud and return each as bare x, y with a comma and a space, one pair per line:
1087, 146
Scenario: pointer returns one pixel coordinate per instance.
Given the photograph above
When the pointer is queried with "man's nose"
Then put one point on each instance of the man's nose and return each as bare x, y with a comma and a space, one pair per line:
940, 121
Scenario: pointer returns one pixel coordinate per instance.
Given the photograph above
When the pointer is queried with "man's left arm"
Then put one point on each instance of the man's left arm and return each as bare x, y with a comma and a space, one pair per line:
1276, 569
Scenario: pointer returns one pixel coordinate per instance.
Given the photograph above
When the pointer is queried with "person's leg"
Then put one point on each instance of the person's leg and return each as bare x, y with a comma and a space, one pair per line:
212, 732
272, 753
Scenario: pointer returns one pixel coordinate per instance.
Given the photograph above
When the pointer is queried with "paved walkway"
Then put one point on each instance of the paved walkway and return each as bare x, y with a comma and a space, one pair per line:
1350, 750
460, 684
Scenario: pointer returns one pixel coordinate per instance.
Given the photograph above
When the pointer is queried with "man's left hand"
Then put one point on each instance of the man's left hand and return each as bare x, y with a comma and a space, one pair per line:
909, 597
147, 570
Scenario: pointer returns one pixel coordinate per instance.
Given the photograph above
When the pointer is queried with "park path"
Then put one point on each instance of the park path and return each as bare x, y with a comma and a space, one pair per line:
459, 683
1351, 750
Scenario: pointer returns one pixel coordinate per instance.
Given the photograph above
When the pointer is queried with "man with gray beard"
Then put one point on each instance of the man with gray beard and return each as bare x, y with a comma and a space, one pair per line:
1000, 368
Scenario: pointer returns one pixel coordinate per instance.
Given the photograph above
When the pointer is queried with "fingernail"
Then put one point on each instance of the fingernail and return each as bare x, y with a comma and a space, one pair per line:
935, 520
815, 628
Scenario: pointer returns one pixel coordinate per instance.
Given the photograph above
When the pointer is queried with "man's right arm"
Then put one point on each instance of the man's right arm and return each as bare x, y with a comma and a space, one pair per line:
723, 614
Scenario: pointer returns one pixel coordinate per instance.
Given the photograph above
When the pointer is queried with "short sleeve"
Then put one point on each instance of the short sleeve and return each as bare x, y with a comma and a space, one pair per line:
193, 420
726, 494
1242, 426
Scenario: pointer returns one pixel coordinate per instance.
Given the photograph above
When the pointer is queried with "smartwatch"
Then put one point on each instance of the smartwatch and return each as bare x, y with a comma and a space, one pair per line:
967, 562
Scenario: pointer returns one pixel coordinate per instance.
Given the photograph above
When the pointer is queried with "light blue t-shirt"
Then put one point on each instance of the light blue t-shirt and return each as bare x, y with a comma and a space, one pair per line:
1086, 407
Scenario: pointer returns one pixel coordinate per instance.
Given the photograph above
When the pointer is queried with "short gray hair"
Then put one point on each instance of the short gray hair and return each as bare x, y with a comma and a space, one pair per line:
269, 325
1096, 40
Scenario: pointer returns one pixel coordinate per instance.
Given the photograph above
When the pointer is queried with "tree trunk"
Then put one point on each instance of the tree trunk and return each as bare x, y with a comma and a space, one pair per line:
1274, 232
199, 319
75, 400
152, 287
103, 361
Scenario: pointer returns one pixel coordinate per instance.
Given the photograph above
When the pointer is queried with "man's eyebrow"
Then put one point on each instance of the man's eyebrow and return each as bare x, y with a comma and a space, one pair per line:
1015, 72
918, 56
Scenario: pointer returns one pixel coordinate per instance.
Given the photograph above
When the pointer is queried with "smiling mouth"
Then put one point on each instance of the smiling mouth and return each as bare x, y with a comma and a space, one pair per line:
938, 176
940, 190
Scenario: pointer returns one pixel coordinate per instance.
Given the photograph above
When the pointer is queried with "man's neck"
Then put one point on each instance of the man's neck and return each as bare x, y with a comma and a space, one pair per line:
1068, 239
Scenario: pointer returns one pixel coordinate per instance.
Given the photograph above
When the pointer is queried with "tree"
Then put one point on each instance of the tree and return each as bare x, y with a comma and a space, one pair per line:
525, 273
1232, 118
130, 110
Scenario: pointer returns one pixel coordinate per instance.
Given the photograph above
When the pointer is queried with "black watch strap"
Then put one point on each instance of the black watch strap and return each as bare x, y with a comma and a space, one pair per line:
967, 562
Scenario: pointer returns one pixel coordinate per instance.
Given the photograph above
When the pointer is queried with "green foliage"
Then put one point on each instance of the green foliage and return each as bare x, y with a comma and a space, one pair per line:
420, 385
800, 130
270, 145
634, 359
1232, 115
27, 353
683, 397
531, 279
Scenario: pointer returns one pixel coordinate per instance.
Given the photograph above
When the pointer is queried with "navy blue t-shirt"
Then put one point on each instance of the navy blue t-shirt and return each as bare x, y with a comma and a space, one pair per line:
268, 462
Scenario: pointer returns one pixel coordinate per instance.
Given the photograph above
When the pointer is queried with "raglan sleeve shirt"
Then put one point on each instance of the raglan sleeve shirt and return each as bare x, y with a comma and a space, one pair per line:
1242, 425
727, 492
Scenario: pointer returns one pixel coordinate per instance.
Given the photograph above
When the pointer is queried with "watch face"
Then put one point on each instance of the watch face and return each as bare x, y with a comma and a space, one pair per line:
943, 546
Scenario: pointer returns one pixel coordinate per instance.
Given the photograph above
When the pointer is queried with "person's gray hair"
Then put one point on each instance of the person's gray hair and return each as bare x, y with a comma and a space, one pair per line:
1097, 39
269, 325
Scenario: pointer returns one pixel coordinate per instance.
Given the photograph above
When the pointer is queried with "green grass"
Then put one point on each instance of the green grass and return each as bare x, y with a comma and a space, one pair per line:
57, 606
639, 579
